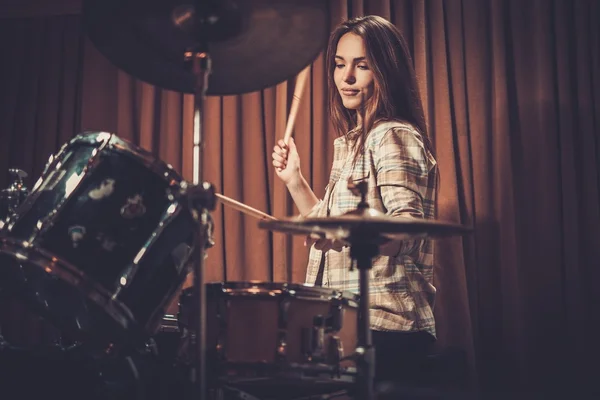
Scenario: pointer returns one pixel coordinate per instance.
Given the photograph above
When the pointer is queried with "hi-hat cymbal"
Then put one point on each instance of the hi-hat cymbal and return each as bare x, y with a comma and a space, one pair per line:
253, 44
366, 224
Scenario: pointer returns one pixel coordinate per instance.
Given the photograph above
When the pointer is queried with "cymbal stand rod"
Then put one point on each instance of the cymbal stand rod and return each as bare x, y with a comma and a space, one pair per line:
363, 253
201, 66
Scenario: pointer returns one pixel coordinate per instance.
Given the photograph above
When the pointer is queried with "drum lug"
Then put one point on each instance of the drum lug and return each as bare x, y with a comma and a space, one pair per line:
281, 350
335, 321
281, 346
314, 340
220, 349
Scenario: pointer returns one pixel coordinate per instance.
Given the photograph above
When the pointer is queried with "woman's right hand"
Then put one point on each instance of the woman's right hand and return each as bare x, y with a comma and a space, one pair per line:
287, 161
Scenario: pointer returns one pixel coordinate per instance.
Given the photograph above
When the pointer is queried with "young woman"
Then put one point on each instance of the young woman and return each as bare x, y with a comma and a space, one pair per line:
376, 110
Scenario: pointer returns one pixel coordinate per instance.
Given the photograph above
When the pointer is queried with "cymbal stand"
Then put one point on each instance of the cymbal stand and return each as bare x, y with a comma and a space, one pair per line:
363, 250
201, 197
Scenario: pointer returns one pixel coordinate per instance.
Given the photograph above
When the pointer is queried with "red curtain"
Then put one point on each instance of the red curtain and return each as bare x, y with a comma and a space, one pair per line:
511, 93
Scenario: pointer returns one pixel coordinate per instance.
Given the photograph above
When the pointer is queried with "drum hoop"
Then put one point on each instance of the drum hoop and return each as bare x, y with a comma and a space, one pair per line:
345, 373
300, 291
125, 147
52, 265
106, 140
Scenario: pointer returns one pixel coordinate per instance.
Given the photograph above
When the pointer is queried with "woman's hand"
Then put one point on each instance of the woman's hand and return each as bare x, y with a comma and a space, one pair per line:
287, 167
287, 162
387, 247
324, 244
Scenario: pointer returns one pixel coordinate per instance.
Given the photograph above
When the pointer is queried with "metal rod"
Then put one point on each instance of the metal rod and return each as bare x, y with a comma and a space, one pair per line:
201, 67
363, 253
366, 370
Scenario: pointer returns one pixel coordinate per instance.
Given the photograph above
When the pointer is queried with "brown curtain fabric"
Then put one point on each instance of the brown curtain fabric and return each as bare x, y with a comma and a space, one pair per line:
511, 92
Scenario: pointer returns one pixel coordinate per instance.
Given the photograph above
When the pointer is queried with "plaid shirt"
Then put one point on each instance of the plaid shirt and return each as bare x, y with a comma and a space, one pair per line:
402, 179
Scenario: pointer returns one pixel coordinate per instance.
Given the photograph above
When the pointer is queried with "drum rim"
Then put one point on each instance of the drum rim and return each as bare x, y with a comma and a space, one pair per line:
267, 369
25, 252
302, 291
126, 147
161, 169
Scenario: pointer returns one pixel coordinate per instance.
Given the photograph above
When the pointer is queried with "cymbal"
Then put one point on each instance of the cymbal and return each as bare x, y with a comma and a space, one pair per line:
253, 44
366, 224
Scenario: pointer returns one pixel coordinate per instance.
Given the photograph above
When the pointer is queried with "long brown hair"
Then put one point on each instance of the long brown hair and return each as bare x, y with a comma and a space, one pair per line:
395, 95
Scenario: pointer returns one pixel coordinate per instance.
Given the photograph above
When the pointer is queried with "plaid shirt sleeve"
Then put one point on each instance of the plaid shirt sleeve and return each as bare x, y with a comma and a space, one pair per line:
403, 168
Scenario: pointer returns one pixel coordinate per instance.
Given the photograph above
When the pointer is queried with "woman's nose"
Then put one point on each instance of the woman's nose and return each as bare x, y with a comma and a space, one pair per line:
349, 76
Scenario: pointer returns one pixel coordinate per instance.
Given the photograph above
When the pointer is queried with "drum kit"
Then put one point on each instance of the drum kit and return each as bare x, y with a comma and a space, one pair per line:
105, 239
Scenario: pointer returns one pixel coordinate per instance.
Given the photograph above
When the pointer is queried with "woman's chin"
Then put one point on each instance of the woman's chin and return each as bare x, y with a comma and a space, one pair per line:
351, 105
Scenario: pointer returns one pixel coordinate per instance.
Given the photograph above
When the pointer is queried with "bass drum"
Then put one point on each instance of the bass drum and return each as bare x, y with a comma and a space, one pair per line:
101, 244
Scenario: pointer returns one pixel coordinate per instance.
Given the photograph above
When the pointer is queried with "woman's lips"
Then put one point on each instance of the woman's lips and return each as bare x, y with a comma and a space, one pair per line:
350, 92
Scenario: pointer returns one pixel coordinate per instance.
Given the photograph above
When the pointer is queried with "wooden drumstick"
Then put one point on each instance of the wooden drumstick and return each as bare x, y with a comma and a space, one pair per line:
298, 90
244, 208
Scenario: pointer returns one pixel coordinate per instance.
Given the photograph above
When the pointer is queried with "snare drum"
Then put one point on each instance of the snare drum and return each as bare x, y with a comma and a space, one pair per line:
262, 334
101, 245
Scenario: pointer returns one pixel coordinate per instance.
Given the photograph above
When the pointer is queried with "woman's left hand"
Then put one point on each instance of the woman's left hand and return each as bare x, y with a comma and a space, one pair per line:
387, 247
324, 244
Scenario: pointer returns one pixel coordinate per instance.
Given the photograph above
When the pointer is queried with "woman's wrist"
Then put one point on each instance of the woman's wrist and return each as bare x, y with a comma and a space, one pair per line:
297, 183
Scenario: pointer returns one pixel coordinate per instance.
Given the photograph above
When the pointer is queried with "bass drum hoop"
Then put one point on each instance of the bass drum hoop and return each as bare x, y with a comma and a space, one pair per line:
23, 251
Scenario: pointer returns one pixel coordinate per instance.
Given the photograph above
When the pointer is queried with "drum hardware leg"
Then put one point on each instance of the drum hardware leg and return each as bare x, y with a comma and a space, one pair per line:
362, 251
139, 386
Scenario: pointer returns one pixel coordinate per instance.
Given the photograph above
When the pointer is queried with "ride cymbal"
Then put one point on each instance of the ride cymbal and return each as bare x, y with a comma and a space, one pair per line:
253, 44
366, 224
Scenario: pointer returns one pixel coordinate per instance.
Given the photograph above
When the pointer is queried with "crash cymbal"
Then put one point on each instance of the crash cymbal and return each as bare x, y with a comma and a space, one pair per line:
253, 44
365, 224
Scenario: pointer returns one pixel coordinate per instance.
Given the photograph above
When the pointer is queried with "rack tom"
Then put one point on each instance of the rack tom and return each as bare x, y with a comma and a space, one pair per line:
101, 244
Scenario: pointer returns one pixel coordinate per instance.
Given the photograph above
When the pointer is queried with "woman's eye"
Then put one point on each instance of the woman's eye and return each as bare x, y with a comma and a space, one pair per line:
365, 67
339, 65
